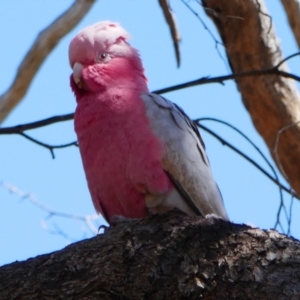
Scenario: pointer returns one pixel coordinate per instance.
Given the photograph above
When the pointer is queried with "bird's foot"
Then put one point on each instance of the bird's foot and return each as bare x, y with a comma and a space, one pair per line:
104, 227
115, 220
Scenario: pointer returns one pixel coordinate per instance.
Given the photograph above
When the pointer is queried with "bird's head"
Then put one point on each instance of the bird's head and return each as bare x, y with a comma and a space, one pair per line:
101, 58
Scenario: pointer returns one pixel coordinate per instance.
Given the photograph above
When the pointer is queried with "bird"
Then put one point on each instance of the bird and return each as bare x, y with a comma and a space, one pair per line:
141, 153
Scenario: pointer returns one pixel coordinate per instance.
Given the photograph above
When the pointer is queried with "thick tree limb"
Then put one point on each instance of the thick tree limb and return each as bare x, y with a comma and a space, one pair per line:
43, 45
163, 257
272, 101
292, 9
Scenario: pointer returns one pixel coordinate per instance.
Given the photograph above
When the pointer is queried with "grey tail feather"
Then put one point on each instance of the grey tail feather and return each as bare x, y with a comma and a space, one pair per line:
184, 195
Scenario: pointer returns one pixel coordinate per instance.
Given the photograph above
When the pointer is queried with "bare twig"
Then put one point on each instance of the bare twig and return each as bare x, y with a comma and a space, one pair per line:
48, 146
244, 136
287, 215
221, 79
217, 43
275, 151
57, 231
88, 220
21, 128
170, 19
226, 143
43, 45
286, 59
281, 203
290, 214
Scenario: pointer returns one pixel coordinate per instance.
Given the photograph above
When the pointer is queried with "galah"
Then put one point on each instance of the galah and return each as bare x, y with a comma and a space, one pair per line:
141, 153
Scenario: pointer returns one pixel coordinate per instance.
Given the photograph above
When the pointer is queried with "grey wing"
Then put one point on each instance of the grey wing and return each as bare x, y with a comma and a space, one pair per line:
184, 158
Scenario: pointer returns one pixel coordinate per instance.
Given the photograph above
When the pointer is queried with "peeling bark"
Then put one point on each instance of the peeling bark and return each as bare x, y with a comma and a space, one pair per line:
171, 256
248, 34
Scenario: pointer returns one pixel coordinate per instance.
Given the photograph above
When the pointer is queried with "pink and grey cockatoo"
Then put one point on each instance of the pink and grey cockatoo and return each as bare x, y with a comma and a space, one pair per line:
141, 153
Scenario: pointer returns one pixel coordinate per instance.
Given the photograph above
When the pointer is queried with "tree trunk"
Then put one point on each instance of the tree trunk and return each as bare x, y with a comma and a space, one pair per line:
171, 256
273, 102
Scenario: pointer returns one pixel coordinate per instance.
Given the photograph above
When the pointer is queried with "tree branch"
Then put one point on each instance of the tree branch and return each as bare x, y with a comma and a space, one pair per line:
171, 256
273, 102
43, 45
170, 19
45, 122
292, 10
221, 79
48, 146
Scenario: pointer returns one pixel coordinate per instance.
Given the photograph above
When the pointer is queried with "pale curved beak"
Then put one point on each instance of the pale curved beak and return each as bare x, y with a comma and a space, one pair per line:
77, 74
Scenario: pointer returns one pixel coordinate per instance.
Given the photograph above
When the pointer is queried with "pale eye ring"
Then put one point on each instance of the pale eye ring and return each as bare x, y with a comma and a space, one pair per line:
103, 57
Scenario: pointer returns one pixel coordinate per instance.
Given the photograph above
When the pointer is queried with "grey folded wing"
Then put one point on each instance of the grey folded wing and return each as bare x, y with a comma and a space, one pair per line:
184, 158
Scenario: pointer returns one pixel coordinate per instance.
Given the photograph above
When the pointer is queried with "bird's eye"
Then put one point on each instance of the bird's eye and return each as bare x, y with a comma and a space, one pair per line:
103, 58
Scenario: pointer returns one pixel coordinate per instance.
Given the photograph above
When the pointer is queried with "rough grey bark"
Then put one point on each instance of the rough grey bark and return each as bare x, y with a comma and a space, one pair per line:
272, 101
170, 256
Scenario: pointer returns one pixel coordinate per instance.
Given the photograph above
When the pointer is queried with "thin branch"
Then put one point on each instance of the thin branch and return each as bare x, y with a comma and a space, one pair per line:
244, 136
43, 45
21, 128
290, 219
57, 231
221, 79
48, 146
86, 219
288, 216
224, 142
275, 151
286, 59
281, 204
217, 43
170, 19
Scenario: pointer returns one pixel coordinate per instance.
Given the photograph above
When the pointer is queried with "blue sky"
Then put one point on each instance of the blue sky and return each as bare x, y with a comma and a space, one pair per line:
60, 183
